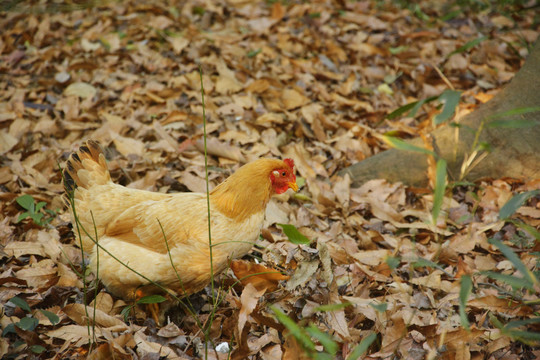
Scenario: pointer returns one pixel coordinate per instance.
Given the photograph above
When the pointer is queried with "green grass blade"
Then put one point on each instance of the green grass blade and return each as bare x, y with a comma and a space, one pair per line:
467, 46
363, 347
440, 188
518, 323
299, 334
514, 112
514, 124
464, 293
421, 262
329, 344
523, 335
514, 259
405, 146
528, 228
515, 203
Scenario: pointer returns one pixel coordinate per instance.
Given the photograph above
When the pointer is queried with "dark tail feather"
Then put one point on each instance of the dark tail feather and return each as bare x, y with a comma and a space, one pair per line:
85, 168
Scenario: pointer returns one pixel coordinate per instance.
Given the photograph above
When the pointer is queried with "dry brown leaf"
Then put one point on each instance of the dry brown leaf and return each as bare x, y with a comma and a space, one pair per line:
103, 302
218, 148
7, 141
38, 275
127, 146
292, 99
300, 83
372, 257
303, 274
76, 334
226, 82
85, 315
108, 351
178, 43
19, 248
249, 299
261, 277
145, 347
80, 89
499, 305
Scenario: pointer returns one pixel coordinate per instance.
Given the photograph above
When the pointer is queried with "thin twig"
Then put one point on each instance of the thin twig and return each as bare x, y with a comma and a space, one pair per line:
443, 77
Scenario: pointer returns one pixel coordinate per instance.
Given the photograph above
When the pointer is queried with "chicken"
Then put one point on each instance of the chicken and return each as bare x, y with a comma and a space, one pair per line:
148, 230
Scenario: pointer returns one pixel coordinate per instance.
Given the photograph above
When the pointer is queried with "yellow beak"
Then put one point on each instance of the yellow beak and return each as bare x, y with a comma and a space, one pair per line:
293, 185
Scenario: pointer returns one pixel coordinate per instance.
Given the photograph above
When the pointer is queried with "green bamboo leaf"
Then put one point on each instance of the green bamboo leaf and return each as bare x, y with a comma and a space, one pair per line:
464, 293
419, 104
20, 303
329, 344
515, 260
299, 334
151, 299
362, 347
401, 110
515, 203
467, 46
450, 98
440, 188
332, 307
413, 107
293, 234
403, 145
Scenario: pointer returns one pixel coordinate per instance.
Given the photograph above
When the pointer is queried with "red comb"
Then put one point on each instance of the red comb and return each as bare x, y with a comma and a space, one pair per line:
289, 162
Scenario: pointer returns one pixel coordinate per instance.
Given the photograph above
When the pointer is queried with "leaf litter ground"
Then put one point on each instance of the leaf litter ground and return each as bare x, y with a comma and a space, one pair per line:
310, 81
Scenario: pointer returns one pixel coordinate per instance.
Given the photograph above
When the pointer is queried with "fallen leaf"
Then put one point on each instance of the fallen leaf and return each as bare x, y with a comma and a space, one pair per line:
249, 299
80, 89
261, 277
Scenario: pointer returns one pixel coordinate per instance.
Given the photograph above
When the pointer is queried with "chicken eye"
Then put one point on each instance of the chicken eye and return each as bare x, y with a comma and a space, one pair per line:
284, 174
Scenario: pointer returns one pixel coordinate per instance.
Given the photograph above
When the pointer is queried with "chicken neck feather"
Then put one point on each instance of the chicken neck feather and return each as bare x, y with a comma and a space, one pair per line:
247, 191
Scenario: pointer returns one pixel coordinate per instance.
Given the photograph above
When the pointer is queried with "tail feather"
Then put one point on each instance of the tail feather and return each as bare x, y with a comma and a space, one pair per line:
85, 168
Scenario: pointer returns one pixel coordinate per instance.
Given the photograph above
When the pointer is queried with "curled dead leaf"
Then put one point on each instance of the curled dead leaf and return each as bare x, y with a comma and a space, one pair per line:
259, 276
